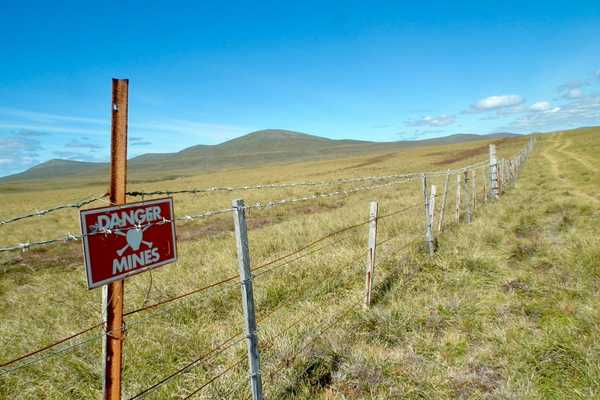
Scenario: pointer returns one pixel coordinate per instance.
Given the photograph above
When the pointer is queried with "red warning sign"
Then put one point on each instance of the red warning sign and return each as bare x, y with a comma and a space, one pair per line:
121, 241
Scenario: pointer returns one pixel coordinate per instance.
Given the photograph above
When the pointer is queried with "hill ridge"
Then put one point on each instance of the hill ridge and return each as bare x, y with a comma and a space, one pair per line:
255, 148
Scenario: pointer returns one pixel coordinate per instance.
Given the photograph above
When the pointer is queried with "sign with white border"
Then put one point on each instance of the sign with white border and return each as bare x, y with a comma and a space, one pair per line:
121, 241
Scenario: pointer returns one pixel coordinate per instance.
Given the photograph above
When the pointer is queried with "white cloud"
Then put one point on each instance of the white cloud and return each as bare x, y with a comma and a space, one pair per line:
574, 93
441, 120
575, 113
497, 102
541, 106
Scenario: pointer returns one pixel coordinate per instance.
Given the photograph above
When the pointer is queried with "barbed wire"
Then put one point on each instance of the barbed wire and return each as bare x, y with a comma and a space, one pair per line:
323, 195
294, 184
82, 203
129, 325
70, 237
39, 213
265, 205
189, 293
226, 280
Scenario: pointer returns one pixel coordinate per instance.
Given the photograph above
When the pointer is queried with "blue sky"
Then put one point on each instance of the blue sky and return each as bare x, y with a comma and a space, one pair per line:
204, 72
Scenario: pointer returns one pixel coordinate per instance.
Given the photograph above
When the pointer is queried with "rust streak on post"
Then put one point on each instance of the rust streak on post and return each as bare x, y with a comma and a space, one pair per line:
118, 186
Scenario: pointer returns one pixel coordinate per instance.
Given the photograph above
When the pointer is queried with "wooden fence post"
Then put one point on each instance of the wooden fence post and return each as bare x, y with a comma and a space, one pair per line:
467, 197
473, 190
444, 200
485, 193
372, 251
243, 252
501, 176
457, 198
494, 173
115, 292
432, 197
428, 230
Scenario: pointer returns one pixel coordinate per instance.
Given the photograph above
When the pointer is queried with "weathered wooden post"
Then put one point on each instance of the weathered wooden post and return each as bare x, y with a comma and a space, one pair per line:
457, 198
372, 252
485, 193
113, 295
428, 228
444, 200
243, 252
494, 173
432, 196
467, 197
473, 190
501, 182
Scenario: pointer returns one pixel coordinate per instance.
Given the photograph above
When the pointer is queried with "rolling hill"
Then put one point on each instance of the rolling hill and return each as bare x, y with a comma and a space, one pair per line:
269, 146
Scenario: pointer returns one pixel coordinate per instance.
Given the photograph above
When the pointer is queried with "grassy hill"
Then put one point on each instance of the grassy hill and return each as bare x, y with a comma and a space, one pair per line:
271, 146
506, 309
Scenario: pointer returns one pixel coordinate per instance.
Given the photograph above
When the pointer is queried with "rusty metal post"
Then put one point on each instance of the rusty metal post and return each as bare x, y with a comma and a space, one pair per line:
115, 333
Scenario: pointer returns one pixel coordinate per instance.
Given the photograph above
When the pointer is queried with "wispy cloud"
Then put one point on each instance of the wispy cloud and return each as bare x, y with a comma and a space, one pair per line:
541, 106
46, 118
493, 103
576, 112
139, 141
437, 121
75, 155
80, 144
51, 128
572, 89
574, 93
86, 138
16, 119
19, 151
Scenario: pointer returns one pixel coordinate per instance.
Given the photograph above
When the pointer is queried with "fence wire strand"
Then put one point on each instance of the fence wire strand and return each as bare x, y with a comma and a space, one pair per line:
40, 213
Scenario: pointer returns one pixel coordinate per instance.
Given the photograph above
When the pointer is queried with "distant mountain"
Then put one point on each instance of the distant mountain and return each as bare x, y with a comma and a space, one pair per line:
256, 148
58, 168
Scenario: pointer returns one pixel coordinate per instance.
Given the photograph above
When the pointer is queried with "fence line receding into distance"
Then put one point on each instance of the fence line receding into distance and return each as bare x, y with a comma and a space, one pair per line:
499, 176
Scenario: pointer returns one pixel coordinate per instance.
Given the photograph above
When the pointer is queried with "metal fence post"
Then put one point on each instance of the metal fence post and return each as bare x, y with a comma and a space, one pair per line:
243, 252
115, 293
372, 251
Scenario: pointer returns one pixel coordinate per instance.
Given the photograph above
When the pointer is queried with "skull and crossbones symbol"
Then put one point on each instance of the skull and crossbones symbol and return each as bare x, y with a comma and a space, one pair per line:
135, 237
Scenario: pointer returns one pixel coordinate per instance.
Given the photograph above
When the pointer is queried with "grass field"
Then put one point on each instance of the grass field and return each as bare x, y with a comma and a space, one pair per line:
507, 308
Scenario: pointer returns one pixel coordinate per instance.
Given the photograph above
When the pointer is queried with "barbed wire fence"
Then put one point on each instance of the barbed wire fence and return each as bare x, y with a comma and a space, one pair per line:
497, 177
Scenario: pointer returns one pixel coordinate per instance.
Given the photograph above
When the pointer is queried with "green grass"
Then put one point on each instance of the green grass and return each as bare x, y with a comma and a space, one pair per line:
507, 308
